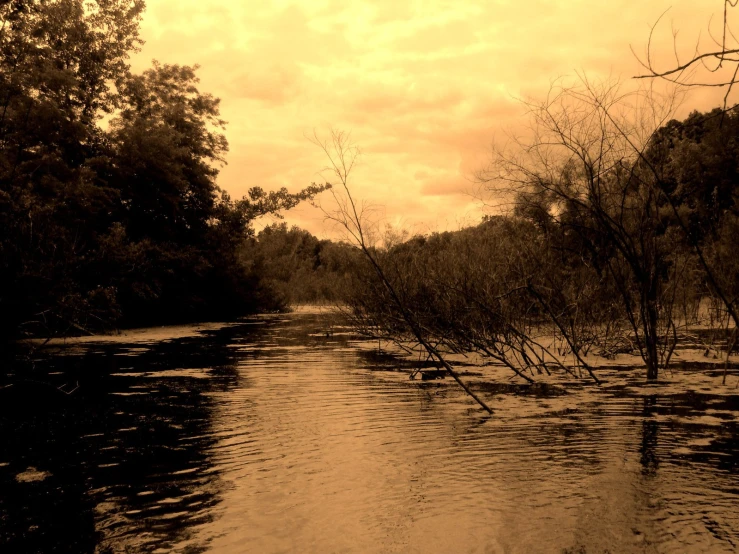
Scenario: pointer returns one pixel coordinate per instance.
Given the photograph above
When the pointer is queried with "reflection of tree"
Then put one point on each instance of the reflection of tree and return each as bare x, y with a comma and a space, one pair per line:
125, 470
570, 442
650, 428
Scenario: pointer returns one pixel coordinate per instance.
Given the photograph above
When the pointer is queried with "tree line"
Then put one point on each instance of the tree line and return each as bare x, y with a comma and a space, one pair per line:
299, 268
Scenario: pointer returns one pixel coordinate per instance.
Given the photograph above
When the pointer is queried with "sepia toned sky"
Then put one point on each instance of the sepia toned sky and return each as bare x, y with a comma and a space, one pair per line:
423, 86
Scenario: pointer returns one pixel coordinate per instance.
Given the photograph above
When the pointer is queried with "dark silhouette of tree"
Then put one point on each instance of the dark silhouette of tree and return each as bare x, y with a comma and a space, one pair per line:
715, 66
299, 267
59, 63
119, 225
580, 172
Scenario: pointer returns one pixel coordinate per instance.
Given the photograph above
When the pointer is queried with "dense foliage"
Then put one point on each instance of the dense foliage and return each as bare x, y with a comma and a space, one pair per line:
109, 208
298, 267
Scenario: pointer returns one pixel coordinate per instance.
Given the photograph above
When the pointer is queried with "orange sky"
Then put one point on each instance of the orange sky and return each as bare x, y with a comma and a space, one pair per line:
423, 88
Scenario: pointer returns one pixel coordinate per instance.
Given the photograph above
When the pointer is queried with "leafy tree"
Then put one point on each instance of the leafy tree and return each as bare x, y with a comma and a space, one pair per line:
298, 266
119, 225
167, 142
698, 163
58, 62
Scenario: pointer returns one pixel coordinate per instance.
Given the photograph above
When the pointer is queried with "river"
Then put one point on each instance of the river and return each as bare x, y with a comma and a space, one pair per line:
290, 434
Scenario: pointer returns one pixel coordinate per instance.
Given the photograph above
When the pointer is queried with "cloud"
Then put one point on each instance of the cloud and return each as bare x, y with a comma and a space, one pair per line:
424, 87
446, 186
273, 84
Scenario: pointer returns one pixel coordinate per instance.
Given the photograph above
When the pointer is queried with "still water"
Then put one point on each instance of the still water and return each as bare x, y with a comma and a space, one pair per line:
289, 434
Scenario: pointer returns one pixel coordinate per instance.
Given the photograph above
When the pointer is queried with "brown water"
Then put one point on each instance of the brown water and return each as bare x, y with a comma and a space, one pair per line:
270, 436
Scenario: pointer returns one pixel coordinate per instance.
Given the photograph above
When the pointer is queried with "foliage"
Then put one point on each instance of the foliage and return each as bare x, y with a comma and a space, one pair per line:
300, 268
124, 225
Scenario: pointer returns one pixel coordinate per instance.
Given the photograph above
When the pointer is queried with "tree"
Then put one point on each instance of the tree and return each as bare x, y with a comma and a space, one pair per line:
167, 144
342, 155
717, 66
698, 159
467, 291
59, 62
721, 65
298, 266
119, 225
581, 174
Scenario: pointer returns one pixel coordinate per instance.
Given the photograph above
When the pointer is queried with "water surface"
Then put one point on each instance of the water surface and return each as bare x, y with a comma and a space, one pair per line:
289, 434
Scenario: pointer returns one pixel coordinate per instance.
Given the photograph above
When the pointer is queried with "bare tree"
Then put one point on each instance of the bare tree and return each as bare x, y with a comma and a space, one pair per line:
351, 216
580, 170
715, 66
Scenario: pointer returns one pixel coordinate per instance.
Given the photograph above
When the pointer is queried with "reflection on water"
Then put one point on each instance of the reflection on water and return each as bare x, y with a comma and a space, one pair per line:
648, 450
270, 436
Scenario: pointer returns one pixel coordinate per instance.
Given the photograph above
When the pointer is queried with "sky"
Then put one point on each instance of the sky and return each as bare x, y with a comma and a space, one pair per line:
424, 87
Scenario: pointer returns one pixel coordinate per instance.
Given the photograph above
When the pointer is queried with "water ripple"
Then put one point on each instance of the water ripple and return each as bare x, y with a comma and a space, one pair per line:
272, 437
